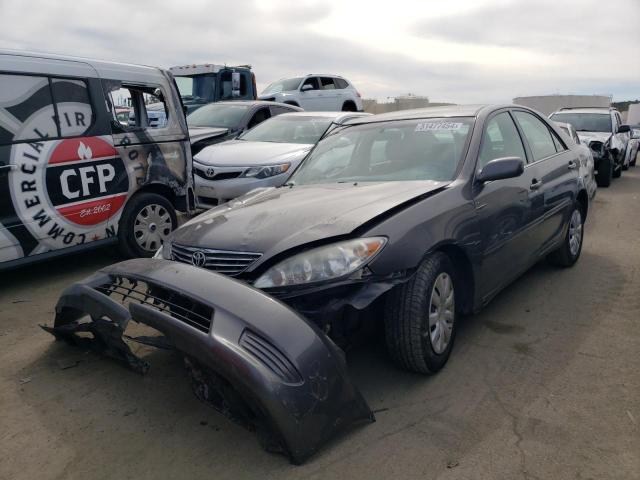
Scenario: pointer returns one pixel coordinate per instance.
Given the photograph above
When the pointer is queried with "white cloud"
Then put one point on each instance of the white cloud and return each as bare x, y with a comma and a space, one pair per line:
463, 51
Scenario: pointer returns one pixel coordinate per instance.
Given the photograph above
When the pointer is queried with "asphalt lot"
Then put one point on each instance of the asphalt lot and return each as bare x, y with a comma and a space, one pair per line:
543, 384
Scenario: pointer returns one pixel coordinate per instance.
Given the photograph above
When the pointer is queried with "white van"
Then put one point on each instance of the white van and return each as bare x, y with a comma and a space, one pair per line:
72, 176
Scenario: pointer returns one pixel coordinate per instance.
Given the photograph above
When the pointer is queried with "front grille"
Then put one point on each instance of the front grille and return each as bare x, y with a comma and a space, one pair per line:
221, 261
217, 176
269, 355
177, 305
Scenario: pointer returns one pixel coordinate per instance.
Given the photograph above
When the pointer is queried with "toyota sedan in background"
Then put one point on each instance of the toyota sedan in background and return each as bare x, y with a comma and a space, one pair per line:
217, 122
265, 156
410, 218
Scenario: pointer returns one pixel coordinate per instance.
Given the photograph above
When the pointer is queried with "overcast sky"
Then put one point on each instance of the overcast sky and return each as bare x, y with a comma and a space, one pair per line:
463, 51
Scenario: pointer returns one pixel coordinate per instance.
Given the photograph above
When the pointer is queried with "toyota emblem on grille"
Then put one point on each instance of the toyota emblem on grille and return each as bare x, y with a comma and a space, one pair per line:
210, 172
198, 258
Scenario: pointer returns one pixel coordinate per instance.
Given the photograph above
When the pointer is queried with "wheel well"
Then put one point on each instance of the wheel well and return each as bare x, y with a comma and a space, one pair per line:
349, 106
158, 188
464, 271
583, 200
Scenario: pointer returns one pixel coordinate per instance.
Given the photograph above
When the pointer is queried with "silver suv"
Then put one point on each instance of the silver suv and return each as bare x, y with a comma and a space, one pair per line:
602, 130
316, 92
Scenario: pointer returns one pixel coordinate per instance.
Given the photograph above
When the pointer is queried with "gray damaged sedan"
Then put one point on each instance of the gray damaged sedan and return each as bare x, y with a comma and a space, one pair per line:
265, 156
413, 217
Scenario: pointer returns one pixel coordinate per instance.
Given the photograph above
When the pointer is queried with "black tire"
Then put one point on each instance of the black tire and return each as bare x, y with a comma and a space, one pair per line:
407, 309
566, 256
128, 245
605, 171
349, 107
632, 163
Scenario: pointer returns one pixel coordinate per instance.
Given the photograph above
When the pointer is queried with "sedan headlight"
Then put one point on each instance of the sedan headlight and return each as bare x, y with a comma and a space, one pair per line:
266, 171
323, 263
164, 251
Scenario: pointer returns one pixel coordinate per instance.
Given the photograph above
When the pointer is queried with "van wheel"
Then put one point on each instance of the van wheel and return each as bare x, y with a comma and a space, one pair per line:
146, 221
605, 171
567, 255
420, 317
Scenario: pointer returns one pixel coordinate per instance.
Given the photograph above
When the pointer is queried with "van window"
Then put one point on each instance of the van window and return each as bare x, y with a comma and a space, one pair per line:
75, 113
146, 109
27, 109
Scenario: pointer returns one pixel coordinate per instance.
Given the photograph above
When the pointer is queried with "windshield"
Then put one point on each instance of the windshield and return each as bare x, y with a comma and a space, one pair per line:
585, 122
282, 86
217, 115
200, 87
425, 149
289, 129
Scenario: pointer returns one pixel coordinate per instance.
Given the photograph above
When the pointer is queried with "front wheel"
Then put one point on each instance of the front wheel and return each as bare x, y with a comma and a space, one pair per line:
567, 255
146, 221
420, 317
605, 171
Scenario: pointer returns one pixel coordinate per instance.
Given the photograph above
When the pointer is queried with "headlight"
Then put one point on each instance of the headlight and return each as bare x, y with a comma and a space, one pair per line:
164, 251
324, 263
266, 171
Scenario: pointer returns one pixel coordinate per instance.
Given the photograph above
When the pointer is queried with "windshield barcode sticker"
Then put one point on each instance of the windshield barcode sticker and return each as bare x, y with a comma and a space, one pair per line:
431, 126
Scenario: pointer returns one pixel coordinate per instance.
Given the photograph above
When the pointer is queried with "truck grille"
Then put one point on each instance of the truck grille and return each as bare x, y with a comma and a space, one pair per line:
220, 261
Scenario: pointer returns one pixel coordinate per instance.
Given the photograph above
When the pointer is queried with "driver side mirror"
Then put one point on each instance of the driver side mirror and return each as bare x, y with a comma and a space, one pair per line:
306, 88
624, 129
501, 168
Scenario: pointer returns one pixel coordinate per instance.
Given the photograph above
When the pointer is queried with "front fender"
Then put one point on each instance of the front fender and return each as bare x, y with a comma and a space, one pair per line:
249, 355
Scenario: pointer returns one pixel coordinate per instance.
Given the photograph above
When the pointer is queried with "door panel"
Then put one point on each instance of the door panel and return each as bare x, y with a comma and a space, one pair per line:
311, 99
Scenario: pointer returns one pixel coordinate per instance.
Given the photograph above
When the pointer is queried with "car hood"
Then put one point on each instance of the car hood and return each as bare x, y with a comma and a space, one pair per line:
271, 221
200, 133
243, 153
588, 137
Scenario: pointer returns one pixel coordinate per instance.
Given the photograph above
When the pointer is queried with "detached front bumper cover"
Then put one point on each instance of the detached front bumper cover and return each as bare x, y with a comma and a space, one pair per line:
248, 355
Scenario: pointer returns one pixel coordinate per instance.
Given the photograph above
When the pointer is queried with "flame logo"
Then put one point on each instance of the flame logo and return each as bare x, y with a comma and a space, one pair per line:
84, 152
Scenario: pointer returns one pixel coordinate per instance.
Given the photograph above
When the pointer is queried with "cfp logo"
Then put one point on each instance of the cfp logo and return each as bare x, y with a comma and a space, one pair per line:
81, 181
198, 259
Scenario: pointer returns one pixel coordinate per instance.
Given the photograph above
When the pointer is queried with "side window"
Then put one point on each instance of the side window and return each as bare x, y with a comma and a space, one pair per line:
75, 113
537, 134
227, 84
26, 109
313, 81
135, 107
327, 83
340, 83
558, 143
500, 139
155, 108
259, 117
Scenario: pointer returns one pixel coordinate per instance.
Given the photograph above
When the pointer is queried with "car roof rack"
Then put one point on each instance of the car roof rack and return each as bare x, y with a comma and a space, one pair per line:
580, 108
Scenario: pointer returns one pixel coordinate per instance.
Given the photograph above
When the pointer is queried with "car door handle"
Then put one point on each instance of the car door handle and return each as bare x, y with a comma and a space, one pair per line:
535, 184
572, 165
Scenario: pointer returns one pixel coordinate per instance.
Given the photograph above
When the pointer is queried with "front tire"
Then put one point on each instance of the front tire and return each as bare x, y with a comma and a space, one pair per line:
567, 255
420, 317
605, 171
146, 221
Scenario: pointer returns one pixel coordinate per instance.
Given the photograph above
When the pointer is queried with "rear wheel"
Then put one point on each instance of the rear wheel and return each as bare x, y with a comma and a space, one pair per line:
146, 221
567, 255
605, 171
420, 317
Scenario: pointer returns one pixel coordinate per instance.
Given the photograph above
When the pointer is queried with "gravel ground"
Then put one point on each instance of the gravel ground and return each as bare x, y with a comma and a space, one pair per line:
542, 384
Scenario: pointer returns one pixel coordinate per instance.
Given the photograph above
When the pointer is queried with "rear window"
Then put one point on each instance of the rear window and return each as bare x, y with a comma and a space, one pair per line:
585, 122
217, 115
289, 129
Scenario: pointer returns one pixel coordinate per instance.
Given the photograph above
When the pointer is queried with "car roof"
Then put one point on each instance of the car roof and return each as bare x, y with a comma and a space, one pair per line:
333, 115
601, 110
429, 112
258, 102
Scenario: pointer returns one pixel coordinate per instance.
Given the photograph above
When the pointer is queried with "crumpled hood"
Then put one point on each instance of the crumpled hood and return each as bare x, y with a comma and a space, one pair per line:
270, 221
588, 137
242, 153
200, 133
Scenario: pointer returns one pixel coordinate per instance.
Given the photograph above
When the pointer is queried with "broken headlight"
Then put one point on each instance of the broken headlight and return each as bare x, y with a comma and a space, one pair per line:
266, 171
323, 263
